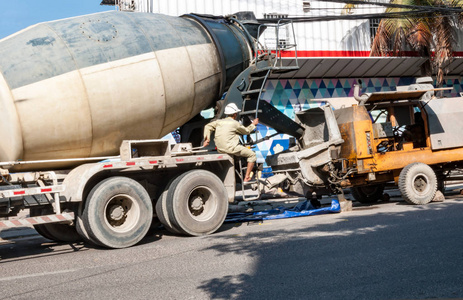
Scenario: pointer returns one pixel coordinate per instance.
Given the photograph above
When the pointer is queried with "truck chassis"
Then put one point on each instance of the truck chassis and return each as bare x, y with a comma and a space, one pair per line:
113, 203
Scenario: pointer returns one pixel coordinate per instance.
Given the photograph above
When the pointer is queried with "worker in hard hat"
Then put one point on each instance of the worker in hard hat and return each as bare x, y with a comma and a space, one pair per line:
227, 133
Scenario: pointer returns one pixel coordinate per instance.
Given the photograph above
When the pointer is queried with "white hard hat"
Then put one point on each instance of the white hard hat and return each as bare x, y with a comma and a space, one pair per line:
231, 109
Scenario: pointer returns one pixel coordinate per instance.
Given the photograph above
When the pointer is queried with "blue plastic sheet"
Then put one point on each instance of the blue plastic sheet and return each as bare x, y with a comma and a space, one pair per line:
302, 209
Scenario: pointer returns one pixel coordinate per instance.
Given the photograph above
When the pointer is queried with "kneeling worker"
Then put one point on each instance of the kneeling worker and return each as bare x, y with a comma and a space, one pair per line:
227, 138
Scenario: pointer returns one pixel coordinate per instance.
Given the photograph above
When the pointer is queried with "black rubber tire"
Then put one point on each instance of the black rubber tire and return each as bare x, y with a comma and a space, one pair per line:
55, 231
63, 233
80, 227
161, 211
197, 203
122, 198
43, 232
367, 194
418, 183
37, 211
441, 186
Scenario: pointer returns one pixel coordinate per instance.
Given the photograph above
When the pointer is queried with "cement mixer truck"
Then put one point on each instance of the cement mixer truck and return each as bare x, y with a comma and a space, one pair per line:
83, 102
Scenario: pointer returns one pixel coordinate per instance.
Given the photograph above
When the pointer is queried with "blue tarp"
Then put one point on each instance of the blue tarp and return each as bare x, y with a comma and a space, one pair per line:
302, 209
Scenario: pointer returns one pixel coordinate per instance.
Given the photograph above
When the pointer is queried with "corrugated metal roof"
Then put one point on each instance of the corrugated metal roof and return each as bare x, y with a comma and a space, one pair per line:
360, 67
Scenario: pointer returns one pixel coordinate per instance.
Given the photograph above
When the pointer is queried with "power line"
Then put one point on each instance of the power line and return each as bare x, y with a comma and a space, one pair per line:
393, 15
392, 5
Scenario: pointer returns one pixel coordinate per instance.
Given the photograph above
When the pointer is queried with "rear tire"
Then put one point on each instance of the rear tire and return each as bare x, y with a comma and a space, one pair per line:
63, 232
55, 231
80, 227
367, 194
161, 211
197, 203
118, 212
43, 232
418, 183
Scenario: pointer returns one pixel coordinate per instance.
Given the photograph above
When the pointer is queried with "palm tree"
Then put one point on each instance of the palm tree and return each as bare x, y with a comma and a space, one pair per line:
433, 31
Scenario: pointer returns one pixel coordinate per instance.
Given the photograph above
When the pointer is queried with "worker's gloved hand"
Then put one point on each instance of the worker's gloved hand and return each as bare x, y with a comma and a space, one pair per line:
255, 121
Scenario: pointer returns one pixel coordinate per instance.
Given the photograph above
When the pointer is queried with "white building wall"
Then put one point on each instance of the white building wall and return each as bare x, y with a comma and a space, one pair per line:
321, 38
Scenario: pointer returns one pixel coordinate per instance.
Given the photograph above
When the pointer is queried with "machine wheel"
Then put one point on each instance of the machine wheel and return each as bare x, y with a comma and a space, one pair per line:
161, 211
418, 183
55, 231
441, 185
197, 203
367, 194
117, 213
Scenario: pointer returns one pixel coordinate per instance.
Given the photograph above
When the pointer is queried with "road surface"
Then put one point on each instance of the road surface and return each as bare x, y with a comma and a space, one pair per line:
389, 250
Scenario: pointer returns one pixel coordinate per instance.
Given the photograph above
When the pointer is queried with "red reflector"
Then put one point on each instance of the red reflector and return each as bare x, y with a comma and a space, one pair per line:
131, 164
220, 157
200, 158
107, 166
153, 162
16, 222
19, 193
45, 190
180, 159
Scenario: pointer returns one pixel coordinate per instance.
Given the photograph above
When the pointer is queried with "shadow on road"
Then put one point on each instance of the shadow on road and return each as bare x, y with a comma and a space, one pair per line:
36, 246
33, 247
412, 254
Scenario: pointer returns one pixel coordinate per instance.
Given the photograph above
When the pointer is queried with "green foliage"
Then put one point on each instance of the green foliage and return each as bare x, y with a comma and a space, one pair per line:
430, 32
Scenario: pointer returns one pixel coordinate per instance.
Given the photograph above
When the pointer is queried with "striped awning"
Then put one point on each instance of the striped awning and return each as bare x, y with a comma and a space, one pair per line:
361, 67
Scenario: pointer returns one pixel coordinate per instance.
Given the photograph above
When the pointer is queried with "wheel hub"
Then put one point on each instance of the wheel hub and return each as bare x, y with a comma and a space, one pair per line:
420, 184
122, 213
116, 212
197, 203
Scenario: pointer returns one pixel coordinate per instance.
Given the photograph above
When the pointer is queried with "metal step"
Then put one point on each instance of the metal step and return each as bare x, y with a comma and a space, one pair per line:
257, 78
260, 70
250, 92
274, 69
250, 112
284, 69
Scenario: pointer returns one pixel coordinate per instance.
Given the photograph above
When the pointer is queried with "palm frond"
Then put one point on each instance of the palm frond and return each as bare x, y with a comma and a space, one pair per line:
379, 46
422, 34
420, 38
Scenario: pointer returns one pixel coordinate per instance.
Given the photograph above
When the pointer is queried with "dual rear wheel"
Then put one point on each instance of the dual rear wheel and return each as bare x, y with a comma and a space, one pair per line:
194, 203
118, 211
117, 214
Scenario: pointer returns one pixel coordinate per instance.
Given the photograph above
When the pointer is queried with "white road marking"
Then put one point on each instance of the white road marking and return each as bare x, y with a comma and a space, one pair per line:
38, 275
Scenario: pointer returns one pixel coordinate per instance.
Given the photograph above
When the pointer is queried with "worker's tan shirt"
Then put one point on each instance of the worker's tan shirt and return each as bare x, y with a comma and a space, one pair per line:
227, 133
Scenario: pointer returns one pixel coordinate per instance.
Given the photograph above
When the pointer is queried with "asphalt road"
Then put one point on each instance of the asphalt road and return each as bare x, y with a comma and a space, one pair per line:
385, 251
